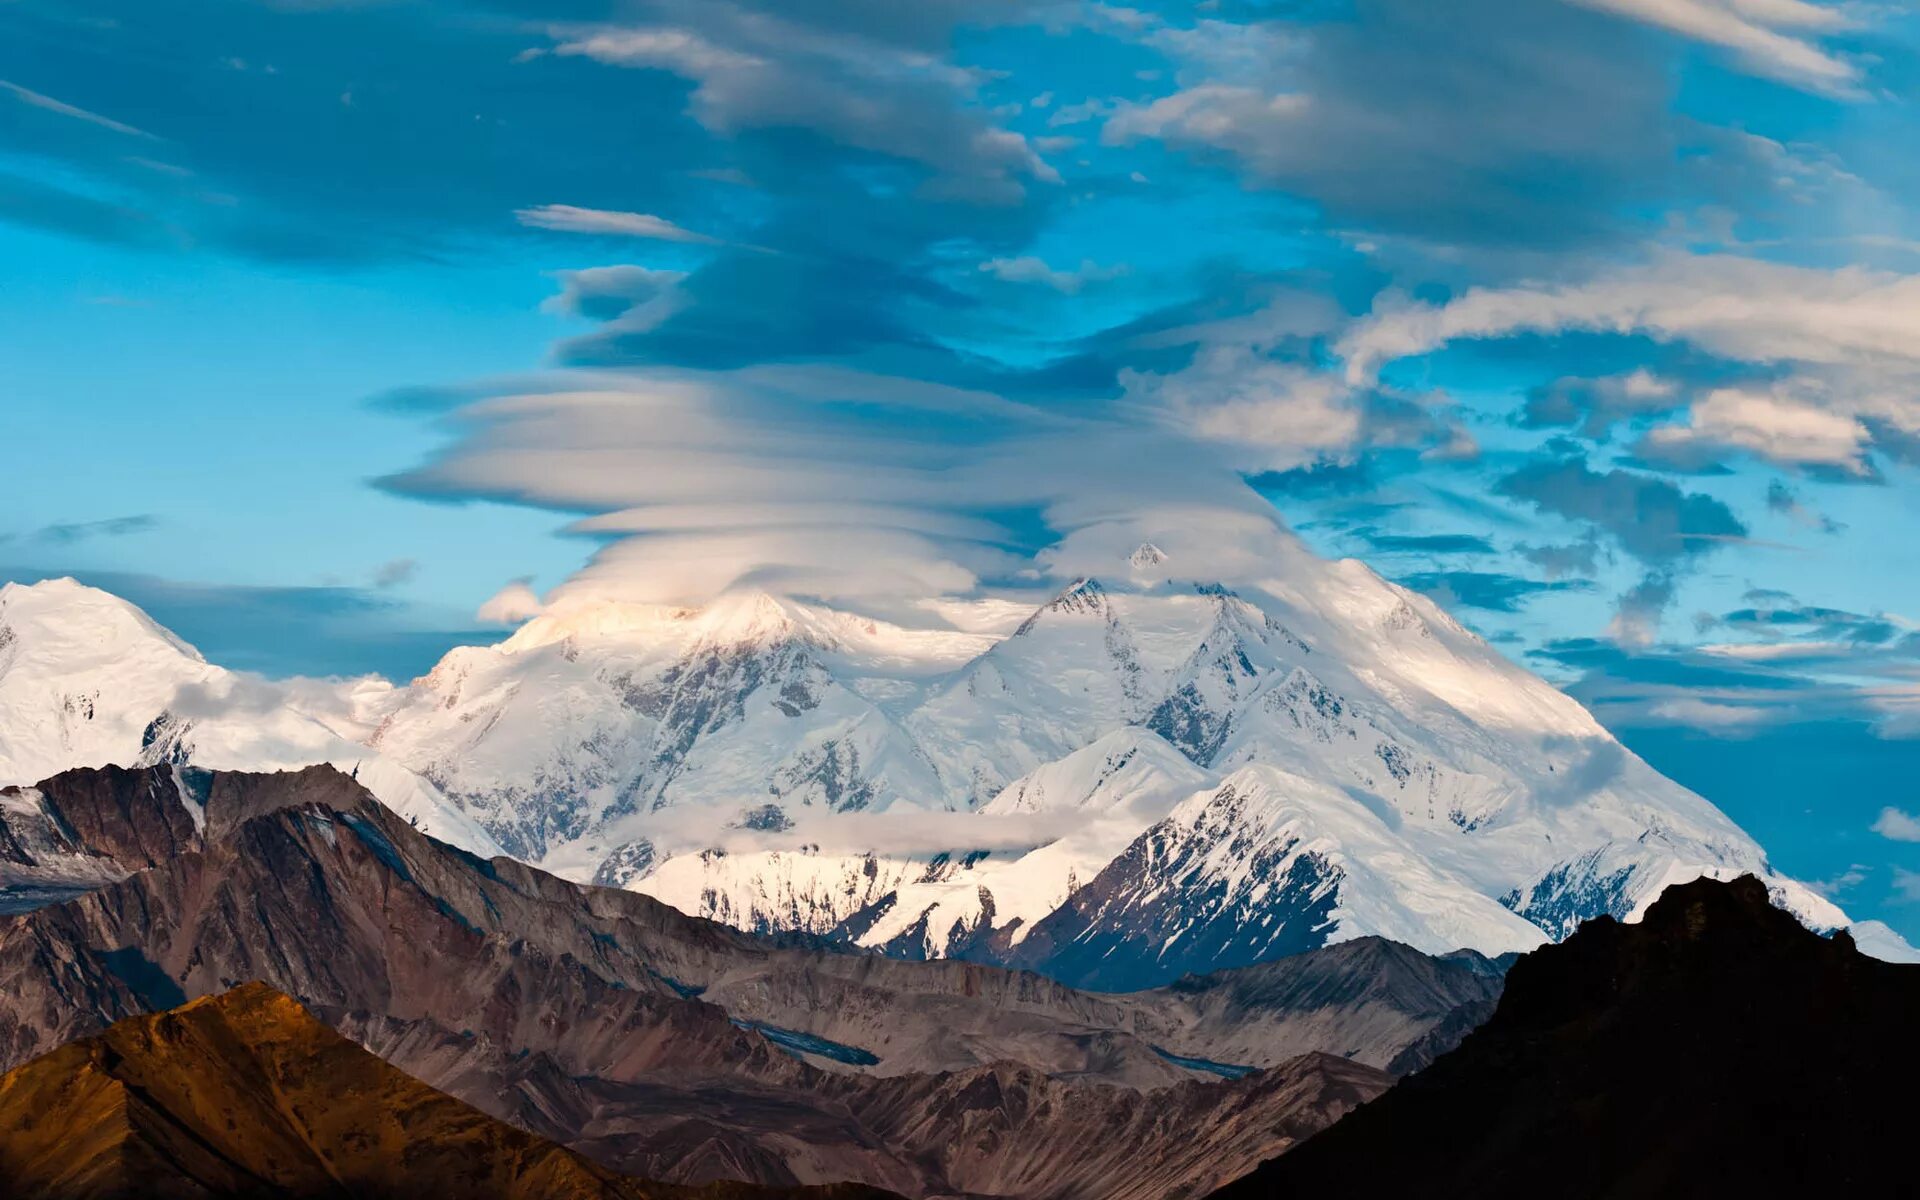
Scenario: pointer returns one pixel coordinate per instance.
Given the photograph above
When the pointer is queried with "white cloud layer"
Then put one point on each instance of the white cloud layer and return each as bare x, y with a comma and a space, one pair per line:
1849, 337
840, 485
1898, 826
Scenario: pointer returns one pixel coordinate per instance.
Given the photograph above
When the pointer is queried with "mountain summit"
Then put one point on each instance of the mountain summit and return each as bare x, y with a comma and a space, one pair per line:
1141, 779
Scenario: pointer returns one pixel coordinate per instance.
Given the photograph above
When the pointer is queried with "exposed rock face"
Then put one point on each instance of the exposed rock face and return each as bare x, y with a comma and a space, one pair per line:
1716, 1048
245, 1094
659, 1043
1371, 1000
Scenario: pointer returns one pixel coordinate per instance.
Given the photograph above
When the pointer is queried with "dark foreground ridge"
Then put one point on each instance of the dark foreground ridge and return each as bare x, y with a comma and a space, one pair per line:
1717, 1048
245, 1094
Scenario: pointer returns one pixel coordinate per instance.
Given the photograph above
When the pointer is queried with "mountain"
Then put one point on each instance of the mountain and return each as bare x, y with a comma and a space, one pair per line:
245, 1094
666, 1046
88, 679
1716, 1048
1321, 757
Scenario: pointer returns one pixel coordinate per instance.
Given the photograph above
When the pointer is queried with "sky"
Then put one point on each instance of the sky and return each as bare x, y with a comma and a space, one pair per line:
337, 332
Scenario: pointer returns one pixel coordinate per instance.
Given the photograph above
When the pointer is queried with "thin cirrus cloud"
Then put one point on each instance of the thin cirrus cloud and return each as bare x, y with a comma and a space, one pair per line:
67, 533
47, 103
1029, 268
568, 218
1777, 38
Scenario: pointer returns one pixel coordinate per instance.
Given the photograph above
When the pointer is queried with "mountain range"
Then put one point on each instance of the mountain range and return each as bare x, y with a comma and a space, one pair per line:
1141, 779
670, 1047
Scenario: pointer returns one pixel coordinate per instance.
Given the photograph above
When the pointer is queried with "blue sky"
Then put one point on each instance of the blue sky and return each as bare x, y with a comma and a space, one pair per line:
1596, 319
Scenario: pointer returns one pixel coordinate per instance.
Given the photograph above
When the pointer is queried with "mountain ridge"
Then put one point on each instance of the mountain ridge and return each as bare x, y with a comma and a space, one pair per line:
671, 1046
1717, 1047
796, 768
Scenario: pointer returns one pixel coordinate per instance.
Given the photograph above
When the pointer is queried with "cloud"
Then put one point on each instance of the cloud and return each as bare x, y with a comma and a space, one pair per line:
1897, 826
841, 484
1846, 881
1596, 764
1725, 720
1771, 37
288, 630
1427, 543
396, 572
1781, 499
1649, 518
1596, 405
1575, 559
1636, 620
1746, 309
1489, 590
1842, 347
1823, 625
1029, 269
62, 210
1774, 424
565, 218
762, 69
68, 533
796, 99
1475, 123
629, 301
1253, 387
1906, 885
513, 604
49, 104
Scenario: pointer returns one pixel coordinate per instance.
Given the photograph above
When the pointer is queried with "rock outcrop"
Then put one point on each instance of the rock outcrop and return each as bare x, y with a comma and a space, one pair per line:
1717, 1048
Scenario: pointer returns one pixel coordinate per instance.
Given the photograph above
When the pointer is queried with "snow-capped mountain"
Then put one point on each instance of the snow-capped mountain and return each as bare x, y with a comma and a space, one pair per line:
1144, 777
87, 679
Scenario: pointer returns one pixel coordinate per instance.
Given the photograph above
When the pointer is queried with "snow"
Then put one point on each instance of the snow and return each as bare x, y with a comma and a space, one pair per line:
87, 679
1877, 940
781, 765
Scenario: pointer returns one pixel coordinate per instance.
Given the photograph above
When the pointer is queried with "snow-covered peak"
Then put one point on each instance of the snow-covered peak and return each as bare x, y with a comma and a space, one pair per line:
88, 679
1441, 786
753, 619
1147, 557
58, 617
1114, 771
599, 621
1082, 598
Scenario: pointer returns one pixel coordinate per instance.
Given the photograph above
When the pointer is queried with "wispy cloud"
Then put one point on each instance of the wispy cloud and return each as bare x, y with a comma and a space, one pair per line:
1772, 37
1030, 269
566, 218
67, 533
38, 100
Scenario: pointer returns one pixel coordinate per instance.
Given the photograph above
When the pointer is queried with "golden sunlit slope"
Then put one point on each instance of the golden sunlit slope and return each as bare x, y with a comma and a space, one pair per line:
246, 1094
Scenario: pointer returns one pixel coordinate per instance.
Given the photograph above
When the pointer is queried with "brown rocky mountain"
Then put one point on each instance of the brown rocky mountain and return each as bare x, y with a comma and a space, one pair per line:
1717, 1048
665, 1046
245, 1094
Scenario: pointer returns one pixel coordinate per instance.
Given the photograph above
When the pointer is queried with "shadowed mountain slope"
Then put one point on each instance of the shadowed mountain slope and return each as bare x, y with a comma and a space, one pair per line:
1716, 1048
